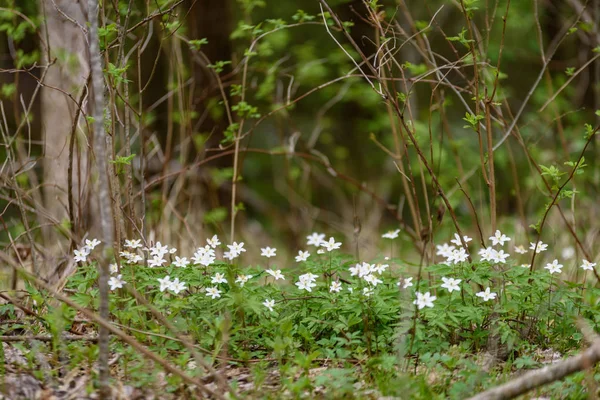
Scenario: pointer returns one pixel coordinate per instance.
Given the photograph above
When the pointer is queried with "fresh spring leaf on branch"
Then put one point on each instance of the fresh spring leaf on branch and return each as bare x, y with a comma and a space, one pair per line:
121, 161
473, 120
461, 38
579, 167
197, 43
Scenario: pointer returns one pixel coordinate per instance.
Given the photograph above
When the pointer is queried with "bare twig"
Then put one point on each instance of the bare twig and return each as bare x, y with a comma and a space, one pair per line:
47, 338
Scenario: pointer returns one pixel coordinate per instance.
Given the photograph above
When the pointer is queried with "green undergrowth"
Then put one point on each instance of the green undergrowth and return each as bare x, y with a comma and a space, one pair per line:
332, 326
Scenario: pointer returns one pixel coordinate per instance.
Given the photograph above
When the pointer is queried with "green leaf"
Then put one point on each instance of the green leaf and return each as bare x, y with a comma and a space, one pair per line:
197, 43
8, 89
461, 38
473, 120
301, 16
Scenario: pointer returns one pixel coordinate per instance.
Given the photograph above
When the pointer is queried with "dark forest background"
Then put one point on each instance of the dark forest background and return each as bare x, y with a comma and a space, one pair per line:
202, 93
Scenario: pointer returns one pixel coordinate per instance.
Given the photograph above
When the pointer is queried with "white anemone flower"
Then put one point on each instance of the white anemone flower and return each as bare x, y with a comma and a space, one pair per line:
587, 266
391, 234
165, 283
538, 247
218, 278
275, 274
335, 287
302, 256
181, 262
268, 252
520, 249
213, 292
213, 242
487, 294
554, 267
331, 244
269, 304
315, 239
424, 300
451, 284
242, 279
177, 286
457, 241
499, 238
133, 244
116, 282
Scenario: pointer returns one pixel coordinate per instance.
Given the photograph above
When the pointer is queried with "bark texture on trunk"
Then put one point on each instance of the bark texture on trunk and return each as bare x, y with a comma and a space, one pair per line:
65, 22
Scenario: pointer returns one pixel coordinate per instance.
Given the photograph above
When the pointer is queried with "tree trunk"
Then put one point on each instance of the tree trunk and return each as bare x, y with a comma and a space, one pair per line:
65, 22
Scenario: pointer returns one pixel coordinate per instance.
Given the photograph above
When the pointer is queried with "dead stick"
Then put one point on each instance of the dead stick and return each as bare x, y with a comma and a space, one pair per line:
543, 376
41, 338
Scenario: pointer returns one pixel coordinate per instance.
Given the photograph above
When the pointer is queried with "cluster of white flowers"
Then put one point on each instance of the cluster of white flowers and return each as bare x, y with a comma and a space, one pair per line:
538, 246
307, 282
204, 256
235, 250
454, 255
82, 253
132, 258
491, 254
318, 240
426, 299
457, 241
173, 285
158, 253
367, 272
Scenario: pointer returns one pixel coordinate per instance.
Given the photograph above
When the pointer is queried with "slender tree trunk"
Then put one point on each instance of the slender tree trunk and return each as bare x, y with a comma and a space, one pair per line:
103, 191
64, 29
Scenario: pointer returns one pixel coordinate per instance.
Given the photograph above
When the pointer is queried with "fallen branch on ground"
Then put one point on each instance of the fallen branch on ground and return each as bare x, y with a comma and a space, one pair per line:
549, 374
42, 338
